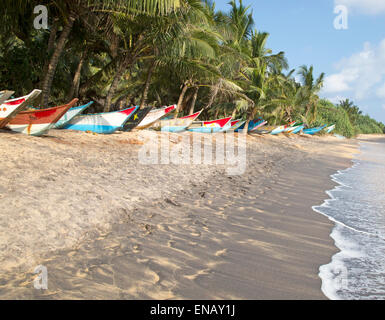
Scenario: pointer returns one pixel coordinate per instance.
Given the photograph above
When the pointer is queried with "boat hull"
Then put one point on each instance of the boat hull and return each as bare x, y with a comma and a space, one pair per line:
153, 116
313, 131
38, 122
103, 123
136, 118
10, 108
214, 126
253, 125
70, 114
178, 125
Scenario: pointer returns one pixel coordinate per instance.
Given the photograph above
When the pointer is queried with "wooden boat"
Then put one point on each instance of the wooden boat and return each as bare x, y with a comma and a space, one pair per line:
154, 115
10, 108
281, 129
38, 122
179, 124
236, 124
298, 129
313, 131
293, 128
220, 125
70, 114
136, 118
4, 95
253, 125
330, 128
106, 122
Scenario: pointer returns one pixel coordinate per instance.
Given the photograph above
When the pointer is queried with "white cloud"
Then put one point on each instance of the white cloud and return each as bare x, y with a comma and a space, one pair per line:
363, 6
361, 76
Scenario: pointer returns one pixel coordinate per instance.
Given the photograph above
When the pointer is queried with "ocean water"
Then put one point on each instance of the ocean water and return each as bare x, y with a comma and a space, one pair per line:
357, 206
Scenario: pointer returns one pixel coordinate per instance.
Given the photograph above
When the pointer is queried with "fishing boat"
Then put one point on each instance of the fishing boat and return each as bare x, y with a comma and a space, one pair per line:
313, 131
330, 128
293, 127
4, 95
298, 129
154, 115
10, 108
38, 122
70, 114
281, 129
179, 124
220, 125
236, 124
253, 125
136, 118
105, 123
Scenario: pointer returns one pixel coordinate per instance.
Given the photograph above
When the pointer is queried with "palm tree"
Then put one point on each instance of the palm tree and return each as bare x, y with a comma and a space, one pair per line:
311, 88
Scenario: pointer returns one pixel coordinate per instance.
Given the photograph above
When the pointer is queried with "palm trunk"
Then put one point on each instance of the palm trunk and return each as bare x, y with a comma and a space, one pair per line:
147, 85
192, 106
51, 43
74, 91
180, 100
234, 113
115, 82
47, 84
212, 98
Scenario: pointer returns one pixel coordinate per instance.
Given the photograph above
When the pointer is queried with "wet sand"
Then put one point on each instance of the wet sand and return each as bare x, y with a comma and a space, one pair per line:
109, 227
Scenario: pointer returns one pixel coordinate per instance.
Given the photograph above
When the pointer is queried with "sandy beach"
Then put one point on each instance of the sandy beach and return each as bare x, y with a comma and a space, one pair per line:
109, 227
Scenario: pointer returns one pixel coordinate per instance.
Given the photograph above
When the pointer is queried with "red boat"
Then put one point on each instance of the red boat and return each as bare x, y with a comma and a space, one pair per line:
38, 122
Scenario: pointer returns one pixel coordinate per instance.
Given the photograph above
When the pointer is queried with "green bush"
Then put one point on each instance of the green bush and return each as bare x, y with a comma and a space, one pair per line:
329, 114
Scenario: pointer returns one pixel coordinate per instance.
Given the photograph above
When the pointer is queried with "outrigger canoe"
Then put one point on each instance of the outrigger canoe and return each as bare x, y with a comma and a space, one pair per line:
38, 122
220, 125
298, 129
236, 124
105, 123
70, 114
10, 108
179, 124
136, 118
253, 125
313, 130
4, 95
330, 128
281, 129
154, 115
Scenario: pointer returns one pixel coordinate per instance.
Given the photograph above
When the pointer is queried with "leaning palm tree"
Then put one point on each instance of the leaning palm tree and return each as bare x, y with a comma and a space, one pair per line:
311, 88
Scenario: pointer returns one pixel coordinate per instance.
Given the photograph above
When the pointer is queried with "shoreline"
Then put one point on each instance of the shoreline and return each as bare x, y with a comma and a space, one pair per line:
171, 237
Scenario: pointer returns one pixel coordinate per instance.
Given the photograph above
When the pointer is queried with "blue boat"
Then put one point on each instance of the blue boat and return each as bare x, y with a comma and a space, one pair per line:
298, 129
313, 131
220, 125
330, 128
253, 125
70, 114
107, 122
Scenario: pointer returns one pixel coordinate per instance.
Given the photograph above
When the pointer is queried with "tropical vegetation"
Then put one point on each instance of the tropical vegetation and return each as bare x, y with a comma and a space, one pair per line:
159, 52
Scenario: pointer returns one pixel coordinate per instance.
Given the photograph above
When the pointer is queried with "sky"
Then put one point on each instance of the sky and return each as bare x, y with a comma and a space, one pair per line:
352, 58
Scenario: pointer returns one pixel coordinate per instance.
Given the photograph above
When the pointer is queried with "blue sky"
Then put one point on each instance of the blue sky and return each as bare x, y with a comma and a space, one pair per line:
353, 59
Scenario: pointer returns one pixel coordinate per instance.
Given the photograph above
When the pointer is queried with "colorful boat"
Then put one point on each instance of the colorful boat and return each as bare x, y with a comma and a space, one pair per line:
220, 125
293, 127
70, 114
298, 129
179, 124
313, 130
105, 123
10, 108
236, 124
330, 128
253, 125
281, 129
4, 95
136, 118
38, 122
154, 115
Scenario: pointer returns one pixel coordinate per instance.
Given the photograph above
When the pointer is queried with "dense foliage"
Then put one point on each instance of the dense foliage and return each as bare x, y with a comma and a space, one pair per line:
160, 52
